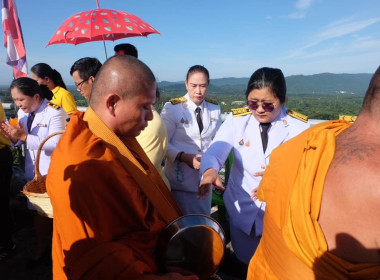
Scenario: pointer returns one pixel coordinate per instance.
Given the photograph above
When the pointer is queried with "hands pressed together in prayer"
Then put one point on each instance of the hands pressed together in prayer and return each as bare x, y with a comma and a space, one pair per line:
14, 133
210, 178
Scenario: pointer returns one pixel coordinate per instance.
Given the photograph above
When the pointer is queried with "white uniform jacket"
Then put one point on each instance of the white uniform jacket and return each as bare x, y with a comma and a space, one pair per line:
184, 136
241, 135
47, 120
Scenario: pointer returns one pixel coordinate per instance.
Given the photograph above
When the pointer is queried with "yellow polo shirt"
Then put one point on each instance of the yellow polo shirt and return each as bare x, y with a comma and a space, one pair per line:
63, 98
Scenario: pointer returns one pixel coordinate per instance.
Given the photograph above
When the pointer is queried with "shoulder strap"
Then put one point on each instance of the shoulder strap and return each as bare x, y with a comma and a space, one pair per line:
213, 101
297, 115
240, 112
177, 100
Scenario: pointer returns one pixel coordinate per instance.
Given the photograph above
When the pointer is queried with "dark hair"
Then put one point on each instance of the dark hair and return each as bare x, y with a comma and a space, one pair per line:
43, 70
196, 69
86, 67
30, 87
373, 92
271, 78
128, 49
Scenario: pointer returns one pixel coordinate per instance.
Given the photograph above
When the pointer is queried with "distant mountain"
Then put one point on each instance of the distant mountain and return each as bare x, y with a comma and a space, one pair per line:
328, 83
296, 84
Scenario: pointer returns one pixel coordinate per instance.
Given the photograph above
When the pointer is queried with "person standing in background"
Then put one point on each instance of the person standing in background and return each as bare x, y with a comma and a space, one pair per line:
37, 119
191, 122
6, 164
45, 75
83, 72
154, 138
126, 49
250, 133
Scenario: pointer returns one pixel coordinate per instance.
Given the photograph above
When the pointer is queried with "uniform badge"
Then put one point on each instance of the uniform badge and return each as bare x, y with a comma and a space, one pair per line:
241, 142
42, 125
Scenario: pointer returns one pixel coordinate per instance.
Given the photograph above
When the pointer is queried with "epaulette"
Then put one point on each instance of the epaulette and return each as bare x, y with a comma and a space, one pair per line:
54, 106
240, 112
213, 101
348, 118
177, 100
297, 115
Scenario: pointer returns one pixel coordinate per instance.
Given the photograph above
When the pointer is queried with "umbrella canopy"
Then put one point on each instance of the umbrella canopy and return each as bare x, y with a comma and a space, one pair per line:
100, 25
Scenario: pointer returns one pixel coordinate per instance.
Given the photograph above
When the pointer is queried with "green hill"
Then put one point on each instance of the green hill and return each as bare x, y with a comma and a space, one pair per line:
297, 84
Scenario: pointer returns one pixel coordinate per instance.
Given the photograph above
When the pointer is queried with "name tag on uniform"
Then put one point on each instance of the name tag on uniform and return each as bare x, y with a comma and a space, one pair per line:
42, 125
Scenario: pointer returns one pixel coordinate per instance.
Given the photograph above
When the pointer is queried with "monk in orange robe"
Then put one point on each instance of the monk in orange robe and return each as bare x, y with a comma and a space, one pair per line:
323, 201
110, 203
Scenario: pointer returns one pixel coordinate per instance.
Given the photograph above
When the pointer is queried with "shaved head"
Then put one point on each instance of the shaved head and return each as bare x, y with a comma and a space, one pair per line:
125, 76
123, 94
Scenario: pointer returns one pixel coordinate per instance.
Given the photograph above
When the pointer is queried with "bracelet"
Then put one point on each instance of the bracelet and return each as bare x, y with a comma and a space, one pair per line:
180, 157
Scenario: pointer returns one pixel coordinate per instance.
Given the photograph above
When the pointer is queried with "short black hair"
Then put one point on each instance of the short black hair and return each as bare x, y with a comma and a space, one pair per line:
271, 78
128, 49
43, 70
86, 67
30, 87
198, 69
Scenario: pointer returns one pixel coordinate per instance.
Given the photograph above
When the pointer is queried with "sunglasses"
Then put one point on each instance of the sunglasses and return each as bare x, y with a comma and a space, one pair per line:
267, 106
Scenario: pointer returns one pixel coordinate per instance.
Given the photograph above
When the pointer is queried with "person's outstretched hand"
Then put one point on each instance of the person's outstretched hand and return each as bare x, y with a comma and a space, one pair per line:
210, 177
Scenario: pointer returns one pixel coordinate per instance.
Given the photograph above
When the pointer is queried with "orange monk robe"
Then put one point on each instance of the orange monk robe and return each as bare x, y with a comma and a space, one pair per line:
104, 225
293, 244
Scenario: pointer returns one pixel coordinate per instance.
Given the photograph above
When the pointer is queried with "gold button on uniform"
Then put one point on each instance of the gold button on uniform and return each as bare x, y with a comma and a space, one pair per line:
262, 166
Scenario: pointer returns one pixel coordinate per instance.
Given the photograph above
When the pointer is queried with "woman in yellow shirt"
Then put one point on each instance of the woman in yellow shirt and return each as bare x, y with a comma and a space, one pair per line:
45, 75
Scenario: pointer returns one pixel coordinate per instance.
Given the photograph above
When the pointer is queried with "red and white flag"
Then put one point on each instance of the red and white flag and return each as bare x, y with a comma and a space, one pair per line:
13, 39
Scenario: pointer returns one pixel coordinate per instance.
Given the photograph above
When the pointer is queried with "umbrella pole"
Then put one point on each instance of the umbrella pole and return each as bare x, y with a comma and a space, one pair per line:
105, 49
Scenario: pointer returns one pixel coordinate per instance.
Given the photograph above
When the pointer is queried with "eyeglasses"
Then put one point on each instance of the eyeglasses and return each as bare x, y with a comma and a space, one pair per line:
267, 106
79, 85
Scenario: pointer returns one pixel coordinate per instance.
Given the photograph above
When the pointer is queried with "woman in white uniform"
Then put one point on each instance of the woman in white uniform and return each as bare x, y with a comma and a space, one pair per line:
251, 133
37, 118
191, 122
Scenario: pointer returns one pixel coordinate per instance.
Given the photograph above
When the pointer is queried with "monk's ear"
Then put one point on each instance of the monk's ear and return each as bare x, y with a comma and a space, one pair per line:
112, 101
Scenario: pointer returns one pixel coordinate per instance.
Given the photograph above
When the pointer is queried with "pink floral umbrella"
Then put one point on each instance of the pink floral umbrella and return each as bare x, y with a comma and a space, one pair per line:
100, 25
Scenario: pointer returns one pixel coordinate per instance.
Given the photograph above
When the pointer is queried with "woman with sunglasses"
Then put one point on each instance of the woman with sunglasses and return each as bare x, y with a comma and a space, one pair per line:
250, 133
45, 75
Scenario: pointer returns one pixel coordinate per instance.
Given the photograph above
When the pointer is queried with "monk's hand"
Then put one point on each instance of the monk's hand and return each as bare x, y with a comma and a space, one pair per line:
13, 133
254, 194
210, 178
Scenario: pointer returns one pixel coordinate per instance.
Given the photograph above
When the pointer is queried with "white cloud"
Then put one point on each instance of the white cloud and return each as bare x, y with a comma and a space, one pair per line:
341, 28
301, 9
335, 30
303, 4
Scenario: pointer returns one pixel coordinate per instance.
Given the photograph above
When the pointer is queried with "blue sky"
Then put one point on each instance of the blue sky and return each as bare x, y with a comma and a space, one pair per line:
230, 38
